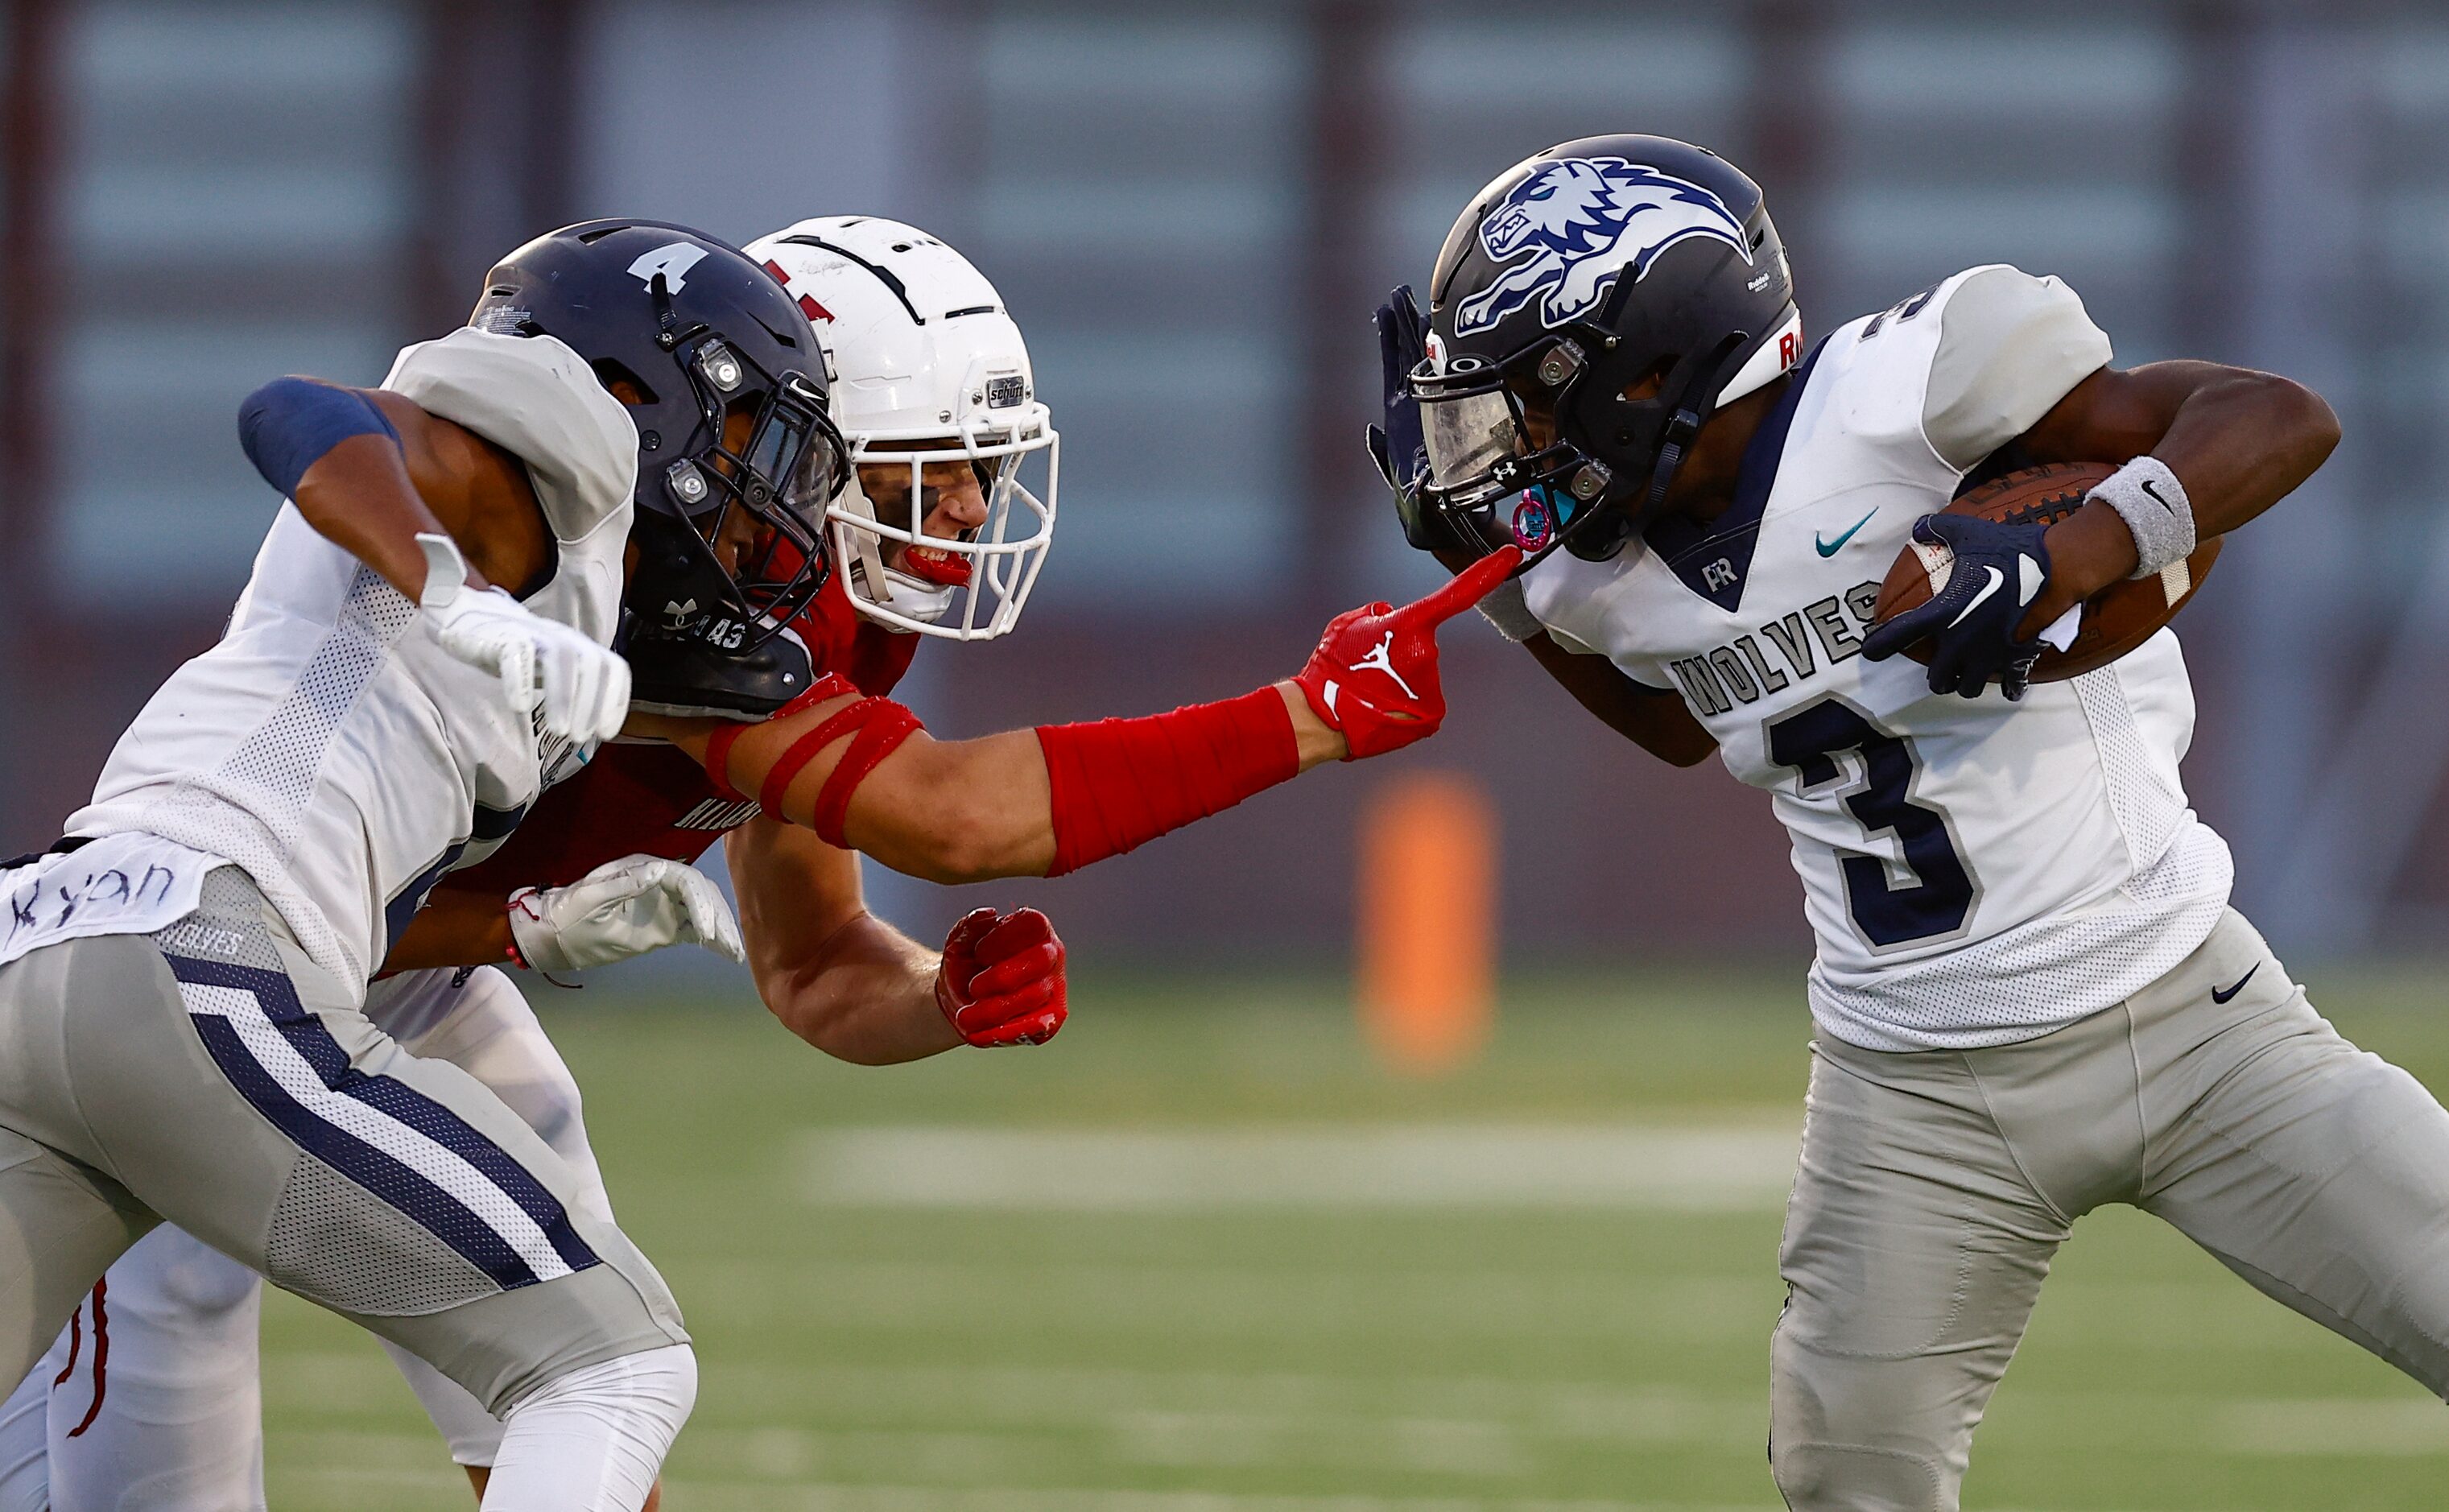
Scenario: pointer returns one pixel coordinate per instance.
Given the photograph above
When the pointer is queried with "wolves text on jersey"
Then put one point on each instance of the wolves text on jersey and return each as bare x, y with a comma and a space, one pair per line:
1740, 670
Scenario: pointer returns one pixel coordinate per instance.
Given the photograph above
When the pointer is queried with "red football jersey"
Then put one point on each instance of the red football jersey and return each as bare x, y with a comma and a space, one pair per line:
651, 799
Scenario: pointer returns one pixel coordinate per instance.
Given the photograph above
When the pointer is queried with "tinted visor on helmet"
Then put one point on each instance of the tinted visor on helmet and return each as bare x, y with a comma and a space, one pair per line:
1487, 478
757, 493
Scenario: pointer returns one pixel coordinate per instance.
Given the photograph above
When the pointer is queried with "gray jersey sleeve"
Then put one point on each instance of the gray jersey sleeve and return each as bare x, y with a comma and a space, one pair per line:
538, 401
2010, 347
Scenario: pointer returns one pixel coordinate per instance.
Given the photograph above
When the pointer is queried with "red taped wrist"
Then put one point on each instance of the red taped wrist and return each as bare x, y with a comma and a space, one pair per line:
1121, 783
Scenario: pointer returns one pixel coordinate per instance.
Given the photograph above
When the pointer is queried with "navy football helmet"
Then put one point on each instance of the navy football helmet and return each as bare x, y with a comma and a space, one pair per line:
737, 456
1621, 288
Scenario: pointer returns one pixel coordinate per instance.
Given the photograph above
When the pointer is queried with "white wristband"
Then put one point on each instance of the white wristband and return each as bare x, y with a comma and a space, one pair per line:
2149, 498
1506, 609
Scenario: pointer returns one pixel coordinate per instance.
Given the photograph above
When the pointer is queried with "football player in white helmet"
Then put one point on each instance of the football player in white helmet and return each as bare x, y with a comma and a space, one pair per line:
924, 362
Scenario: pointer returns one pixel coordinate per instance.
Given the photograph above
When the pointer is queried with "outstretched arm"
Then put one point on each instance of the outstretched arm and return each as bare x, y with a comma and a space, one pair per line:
1045, 801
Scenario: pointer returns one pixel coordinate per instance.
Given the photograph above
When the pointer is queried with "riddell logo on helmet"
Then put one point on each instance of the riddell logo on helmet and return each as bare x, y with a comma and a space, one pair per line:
1584, 221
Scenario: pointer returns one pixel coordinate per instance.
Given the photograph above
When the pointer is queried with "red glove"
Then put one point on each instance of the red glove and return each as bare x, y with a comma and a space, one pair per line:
1002, 978
1374, 675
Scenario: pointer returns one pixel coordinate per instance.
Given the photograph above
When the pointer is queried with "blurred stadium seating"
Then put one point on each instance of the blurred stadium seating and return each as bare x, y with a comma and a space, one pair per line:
1192, 210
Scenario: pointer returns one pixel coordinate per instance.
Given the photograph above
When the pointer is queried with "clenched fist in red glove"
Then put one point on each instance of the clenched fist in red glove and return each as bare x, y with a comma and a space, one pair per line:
1374, 675
1002, 978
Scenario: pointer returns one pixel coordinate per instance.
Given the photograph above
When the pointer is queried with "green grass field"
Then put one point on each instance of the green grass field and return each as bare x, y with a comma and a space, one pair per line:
1271, 1336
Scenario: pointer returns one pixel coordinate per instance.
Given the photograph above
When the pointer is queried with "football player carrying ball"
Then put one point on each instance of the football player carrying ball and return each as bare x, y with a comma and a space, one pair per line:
2031, 998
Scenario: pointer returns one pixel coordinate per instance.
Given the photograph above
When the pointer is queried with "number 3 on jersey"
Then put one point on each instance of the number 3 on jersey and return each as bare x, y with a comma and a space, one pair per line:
1938, 902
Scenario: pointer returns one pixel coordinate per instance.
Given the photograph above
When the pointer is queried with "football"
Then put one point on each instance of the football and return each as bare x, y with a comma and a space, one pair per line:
2115, 620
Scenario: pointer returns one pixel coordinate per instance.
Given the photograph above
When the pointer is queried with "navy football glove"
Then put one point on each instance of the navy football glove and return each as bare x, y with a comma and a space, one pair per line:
1398, 447
1971, 625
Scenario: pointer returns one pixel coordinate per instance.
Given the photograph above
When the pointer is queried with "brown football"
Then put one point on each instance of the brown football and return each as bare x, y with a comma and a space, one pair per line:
2115, 620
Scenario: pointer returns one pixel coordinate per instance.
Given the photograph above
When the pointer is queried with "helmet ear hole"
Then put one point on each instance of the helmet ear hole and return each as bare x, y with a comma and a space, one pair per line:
1644, 388
624, 384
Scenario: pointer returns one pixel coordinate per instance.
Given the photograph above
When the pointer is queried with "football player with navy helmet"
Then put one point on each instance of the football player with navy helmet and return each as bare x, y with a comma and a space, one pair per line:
2031, 996
598, 870
424, 642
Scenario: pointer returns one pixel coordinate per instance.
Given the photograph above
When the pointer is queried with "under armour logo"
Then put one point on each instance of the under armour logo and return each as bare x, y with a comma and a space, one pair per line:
1382, 659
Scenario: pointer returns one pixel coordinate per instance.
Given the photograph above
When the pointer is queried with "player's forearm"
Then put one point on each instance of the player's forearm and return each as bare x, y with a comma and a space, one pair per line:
967, 811
457, 927
2238, 441
866, 993
1658, 722
339, 458
977, 810
359, 498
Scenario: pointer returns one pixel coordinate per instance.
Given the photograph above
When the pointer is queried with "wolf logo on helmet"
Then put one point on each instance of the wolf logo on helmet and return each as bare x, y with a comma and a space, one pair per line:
1589, 219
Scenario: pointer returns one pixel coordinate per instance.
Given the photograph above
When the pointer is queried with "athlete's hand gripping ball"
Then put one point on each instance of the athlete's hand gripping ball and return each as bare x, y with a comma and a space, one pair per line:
583, 688
1374, 675
1002, 982
1974, 623
622, 908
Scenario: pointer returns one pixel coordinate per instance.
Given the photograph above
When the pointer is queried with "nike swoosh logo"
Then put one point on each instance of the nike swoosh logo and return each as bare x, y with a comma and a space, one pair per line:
1998, 581
2171, 509
2218, 996
1830, 548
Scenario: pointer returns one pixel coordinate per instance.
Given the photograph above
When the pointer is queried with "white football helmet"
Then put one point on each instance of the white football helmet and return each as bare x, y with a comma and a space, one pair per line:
926, 369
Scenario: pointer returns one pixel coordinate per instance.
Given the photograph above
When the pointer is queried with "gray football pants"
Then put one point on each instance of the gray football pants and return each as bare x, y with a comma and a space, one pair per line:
1936, 1185
213, 1077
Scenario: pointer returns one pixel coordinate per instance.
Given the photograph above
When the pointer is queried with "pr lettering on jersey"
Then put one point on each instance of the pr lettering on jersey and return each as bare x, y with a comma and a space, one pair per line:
1821, 633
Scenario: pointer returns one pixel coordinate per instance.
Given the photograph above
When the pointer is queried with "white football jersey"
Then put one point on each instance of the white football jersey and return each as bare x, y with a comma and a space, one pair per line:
328, 744
1978, 871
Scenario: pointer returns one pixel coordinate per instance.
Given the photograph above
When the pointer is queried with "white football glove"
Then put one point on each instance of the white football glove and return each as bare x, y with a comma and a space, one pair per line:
622, 908
582, 687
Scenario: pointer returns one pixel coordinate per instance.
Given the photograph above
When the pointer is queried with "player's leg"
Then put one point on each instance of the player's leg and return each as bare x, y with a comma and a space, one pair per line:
237, 1090
1914, 1249
63, 1216
158, 1402
2315, 1171
25, 1434
484, 1027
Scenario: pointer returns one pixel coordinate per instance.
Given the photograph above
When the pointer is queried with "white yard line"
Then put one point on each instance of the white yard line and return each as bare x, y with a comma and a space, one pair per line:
1656, 1167
2342, 1425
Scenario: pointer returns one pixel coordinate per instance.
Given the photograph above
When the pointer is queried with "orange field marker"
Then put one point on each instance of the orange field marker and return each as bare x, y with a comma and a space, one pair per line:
1427, 947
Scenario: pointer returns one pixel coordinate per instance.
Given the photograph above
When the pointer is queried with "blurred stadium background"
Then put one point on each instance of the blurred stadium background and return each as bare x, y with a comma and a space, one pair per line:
1192, 210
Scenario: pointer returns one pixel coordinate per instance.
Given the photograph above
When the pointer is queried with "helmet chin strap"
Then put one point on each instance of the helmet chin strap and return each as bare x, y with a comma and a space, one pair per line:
1692, 411
904, 595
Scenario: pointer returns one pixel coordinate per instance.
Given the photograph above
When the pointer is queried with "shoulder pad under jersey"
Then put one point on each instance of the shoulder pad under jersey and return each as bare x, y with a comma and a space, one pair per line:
537, 400
2010, 346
